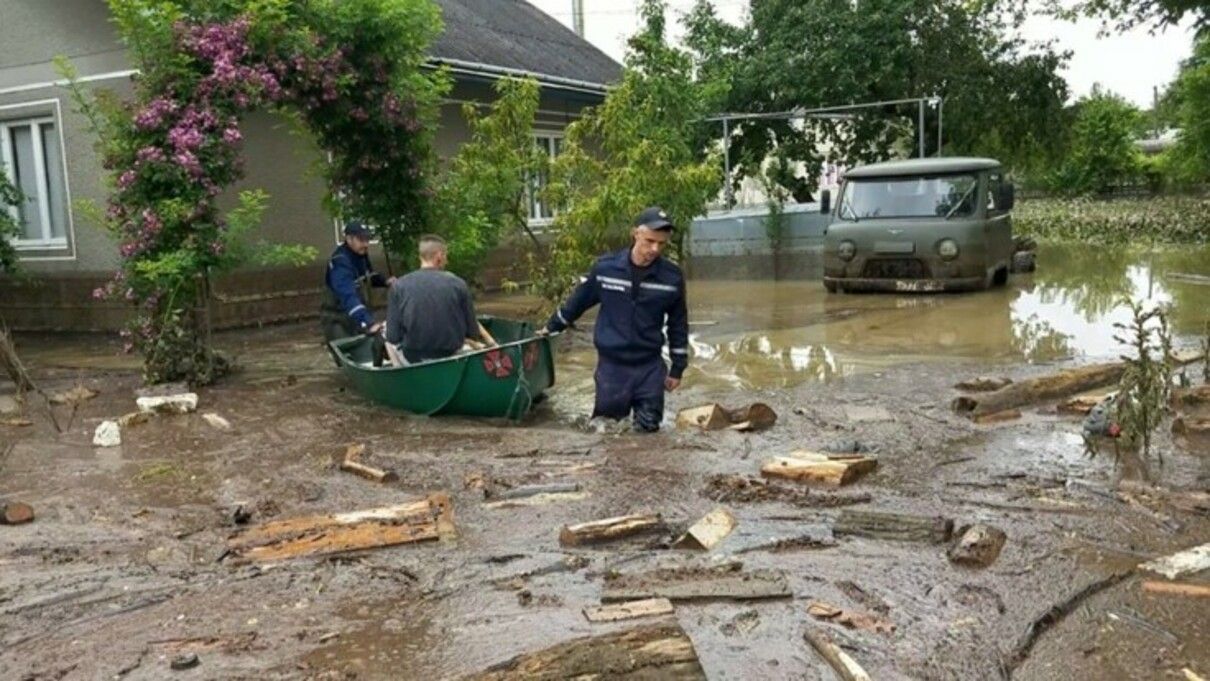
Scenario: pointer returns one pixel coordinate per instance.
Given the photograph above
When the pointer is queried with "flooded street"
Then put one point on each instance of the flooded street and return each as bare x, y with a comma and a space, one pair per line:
121, 571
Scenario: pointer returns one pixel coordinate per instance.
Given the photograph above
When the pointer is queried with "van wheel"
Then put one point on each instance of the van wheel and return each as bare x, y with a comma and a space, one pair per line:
830, 286
1001, 277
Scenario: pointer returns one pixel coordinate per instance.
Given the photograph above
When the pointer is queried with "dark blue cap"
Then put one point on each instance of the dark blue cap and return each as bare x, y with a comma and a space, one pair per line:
355, 228
653, 218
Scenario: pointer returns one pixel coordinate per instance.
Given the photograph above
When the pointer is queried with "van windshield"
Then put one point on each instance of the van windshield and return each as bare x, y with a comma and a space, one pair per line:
908, 197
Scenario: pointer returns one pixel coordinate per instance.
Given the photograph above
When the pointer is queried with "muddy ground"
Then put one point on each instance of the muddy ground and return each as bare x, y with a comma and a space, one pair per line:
120, 572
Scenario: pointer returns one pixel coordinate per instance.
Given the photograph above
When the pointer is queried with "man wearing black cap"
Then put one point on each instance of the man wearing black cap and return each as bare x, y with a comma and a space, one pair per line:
343, 312
640, 293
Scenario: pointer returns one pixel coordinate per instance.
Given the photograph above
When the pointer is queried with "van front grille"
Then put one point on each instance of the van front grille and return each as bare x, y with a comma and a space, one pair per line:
895, 268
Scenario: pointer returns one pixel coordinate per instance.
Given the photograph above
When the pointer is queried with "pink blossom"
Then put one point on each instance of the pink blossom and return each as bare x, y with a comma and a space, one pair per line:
150, 154
98, 293
232, 135
126, 179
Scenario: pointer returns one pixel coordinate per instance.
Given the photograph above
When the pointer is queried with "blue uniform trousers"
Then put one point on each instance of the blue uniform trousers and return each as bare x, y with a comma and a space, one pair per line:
626, 388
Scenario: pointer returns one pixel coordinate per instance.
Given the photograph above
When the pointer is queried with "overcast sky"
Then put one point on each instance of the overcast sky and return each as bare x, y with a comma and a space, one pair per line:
1130, 64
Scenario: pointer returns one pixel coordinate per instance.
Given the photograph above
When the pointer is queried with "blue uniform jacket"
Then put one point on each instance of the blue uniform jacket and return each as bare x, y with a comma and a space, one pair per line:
346, 271
630, 325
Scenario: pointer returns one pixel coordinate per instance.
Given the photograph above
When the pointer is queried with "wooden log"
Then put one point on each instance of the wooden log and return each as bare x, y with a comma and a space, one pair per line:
429, 518
897, 526
845, 667
827, 470
689, 584
998, 417
706, 417
1041, 389
609, 529
15, 513
648, 607
1081, 404
1177, 588
524, 491
706, 533
1190, 397
983, 384
752, 418
368, 472
660, 651
978, 545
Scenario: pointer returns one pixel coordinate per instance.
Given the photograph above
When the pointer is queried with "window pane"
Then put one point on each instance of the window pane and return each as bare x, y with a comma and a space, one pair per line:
27, 181
55, 189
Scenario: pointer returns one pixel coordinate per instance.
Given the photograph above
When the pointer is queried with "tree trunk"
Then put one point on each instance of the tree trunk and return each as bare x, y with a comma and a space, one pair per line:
1041, 389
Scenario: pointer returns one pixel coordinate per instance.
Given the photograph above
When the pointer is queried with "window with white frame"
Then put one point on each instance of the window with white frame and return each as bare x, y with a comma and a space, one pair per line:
32, 159
551, 144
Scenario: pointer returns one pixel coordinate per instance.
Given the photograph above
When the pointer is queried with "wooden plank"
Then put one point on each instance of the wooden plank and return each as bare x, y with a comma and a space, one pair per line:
522, 491
15, 513
706, 533
609, 529
648, 607
998, 417
1185, 562
660, 651
897, 526
1177, 588
812, 467
687, 584
840, 662
1082, 404
1041, 389
752, 418
430, 518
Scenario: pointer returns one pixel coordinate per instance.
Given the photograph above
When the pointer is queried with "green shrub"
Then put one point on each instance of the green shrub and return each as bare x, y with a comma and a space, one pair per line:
1162, 220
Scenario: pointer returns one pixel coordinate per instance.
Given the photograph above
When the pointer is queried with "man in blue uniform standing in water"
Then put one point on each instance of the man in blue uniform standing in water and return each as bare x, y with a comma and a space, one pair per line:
640, 293
344, 313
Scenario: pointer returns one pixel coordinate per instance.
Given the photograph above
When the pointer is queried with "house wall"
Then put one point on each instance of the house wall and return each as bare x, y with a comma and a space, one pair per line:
54, 292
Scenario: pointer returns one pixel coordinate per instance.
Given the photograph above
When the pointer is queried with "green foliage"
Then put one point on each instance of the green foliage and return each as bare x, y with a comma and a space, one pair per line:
635, 150
1159, 220
482, 196
1102, 155
1189, 162
352, 72
1127, 14
1000, 99
9, 229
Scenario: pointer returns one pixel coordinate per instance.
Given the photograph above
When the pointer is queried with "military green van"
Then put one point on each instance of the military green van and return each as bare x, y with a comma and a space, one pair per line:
935, 224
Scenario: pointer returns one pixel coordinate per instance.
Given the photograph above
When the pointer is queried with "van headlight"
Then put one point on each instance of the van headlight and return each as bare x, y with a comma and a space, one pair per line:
846, 250
947, 249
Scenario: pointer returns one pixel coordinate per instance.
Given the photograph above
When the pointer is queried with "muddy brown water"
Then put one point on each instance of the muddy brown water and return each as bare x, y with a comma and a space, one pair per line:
120, 572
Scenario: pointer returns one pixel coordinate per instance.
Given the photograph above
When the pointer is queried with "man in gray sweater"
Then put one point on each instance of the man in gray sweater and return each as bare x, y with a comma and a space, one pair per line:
430, 313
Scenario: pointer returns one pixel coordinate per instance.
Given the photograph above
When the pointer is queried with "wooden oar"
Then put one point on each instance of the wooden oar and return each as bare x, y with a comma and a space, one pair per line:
486, 335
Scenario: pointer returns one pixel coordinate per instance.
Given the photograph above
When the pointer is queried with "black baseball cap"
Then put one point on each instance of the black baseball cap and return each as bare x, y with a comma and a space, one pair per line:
355, 228
653, 218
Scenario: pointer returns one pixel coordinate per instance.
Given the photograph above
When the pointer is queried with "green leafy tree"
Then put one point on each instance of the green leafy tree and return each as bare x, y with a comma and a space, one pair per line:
9, 229
638, 148
482, 197
1001, 99
1102, 154
1127, 14
1189, 161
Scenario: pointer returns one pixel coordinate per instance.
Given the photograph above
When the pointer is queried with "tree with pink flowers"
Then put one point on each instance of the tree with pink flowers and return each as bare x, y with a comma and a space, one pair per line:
351, 72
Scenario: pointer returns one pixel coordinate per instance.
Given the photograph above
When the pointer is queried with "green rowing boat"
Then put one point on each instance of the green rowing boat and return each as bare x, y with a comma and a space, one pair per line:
503, 380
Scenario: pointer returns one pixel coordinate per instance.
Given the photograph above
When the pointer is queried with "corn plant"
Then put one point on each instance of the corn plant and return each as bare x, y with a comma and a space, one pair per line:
1146, 385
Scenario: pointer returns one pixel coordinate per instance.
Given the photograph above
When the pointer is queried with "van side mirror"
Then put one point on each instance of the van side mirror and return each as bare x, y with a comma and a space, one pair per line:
825, 202
1007, 196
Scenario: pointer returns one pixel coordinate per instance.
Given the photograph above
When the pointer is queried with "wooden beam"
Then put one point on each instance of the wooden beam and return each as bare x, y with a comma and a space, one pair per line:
824, 469
609, 529
648, 607
897, 526
689, 584
429, 518
706, 533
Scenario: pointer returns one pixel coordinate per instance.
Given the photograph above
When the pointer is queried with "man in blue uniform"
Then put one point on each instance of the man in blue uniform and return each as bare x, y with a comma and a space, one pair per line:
640, 293
344, 312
